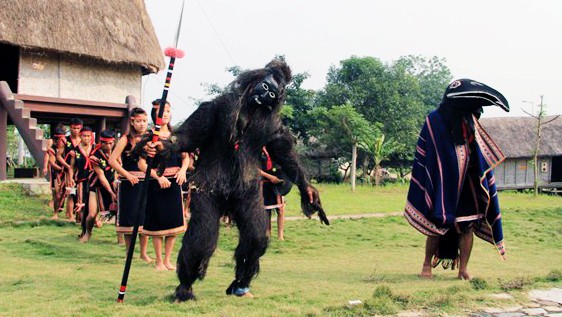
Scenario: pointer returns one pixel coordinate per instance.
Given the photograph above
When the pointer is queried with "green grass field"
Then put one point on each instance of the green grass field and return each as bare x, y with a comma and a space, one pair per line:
44, 271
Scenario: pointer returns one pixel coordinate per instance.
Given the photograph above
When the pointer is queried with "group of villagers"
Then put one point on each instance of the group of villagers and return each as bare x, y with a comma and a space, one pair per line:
95, 183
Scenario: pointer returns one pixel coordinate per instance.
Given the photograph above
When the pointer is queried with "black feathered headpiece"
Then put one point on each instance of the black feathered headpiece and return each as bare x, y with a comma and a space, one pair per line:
473, 93
464, 98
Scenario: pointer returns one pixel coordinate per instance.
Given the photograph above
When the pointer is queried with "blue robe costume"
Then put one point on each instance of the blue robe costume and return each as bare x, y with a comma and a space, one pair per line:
438, 176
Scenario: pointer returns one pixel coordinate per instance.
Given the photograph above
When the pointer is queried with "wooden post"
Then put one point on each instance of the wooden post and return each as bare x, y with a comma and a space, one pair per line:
131, 102
3, 142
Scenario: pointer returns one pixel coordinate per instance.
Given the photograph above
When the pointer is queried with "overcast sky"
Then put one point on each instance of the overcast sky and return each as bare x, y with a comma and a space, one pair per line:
514, 46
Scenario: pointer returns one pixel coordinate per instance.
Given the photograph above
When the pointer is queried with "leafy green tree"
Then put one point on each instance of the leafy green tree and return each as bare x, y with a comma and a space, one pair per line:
301, 102
342, 126
396, 95
432, 74
380, 149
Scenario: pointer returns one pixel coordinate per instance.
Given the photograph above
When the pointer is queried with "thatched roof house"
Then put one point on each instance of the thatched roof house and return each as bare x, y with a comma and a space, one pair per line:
71, 58
112, 31
516, 135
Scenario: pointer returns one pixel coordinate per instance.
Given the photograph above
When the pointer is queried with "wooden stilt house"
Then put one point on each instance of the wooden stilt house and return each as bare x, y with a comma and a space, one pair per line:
61, 59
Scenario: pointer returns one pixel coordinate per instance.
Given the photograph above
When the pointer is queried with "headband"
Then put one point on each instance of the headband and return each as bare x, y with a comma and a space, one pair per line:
102, 139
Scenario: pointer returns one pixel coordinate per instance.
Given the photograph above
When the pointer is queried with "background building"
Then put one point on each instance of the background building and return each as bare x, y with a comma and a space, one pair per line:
61, 59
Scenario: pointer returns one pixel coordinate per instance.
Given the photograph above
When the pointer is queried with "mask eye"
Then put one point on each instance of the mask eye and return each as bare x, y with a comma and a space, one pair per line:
264, 86
272, 95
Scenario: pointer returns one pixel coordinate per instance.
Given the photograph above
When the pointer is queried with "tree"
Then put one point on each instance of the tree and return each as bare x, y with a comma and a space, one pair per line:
301, 102
379, 148
342, 126
432, 75
540, 123
396, 95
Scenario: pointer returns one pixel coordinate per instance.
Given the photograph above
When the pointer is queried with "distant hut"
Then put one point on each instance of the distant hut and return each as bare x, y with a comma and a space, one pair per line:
516, 137
61, 59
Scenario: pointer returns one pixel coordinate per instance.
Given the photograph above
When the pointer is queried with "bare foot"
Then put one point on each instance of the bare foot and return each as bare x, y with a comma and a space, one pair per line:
170, 267
98, 223
160, 267
85, 238
463, 275
247, 295
55, 217
281, 239
426, 272
146, 258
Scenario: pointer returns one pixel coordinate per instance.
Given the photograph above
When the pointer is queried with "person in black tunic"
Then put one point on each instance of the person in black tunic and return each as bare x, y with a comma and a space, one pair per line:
272, 200
80, 172
56, 171
63, 157
164, 218
102, 191
126, 165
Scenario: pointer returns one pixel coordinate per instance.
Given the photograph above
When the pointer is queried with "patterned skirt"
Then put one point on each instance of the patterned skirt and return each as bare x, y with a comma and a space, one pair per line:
129, 201
164, 211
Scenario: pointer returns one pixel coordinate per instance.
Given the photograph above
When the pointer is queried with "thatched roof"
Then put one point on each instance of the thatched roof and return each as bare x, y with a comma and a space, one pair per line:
516, 135
113, 31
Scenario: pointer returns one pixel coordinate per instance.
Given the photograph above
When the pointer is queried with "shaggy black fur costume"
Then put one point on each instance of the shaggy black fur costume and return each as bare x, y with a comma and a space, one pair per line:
230, 132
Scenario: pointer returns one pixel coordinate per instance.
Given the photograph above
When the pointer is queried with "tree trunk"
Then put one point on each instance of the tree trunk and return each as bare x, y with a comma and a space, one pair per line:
537, 149
353, 165
365, 166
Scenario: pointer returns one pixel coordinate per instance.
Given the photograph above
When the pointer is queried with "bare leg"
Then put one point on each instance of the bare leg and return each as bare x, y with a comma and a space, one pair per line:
120, 238
127, 242
54, 203
280, 223
465, 246
157, 243
268, 231
91, 218
431, 245
143, 247
70, 208
169, 246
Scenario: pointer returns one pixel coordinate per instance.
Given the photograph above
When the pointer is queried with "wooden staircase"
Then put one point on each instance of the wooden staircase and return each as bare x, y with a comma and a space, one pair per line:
26, 125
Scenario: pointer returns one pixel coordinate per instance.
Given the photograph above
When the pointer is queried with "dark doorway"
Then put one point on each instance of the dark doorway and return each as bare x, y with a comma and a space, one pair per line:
9, 64
556, 169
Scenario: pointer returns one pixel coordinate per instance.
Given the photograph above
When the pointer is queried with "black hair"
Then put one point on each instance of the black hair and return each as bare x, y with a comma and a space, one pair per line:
133, 113
86, 128
76, 121
59, 129
136, 111
154, 113
107, 134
